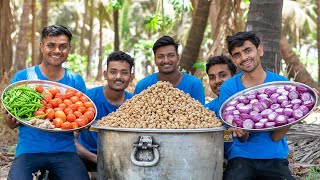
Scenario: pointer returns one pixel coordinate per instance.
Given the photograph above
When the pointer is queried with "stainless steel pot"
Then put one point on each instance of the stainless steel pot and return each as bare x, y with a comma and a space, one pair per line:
186, 154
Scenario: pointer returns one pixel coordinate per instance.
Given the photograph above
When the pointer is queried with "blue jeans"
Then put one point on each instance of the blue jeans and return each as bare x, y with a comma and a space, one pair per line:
257, 169
65, 165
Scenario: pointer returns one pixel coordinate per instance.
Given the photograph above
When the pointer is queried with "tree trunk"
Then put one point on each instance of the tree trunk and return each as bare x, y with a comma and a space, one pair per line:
6, 26
318, 38
91, 42
100, 68
34, 41
296, 69
116, 29
44, 22
83, 30
22, 43
264, 18
191, 51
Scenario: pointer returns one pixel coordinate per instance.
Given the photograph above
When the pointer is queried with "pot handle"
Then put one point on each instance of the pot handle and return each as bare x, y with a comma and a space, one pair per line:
145, 143
145, 163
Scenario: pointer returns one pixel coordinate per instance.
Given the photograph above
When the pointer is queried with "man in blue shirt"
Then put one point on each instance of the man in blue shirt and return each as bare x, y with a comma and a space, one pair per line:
41, 150
253, 155
219, 69
107, 100
166, 58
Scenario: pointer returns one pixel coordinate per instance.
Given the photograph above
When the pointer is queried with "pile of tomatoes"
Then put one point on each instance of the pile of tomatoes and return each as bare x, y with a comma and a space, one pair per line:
68, 110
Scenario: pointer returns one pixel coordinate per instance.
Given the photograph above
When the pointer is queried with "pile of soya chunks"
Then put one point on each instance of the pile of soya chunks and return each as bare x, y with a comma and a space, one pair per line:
161, 106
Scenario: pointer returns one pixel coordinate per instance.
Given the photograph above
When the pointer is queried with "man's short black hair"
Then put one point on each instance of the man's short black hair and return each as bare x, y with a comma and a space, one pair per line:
214, 60
239, 38
121, 56
165, 41
56, 30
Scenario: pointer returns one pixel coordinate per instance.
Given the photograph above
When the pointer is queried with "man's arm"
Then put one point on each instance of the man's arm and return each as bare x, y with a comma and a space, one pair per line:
10, 120
278, 134
83, 152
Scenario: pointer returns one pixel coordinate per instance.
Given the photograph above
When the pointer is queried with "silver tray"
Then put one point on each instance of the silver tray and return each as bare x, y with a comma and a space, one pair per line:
46, 85
263, 86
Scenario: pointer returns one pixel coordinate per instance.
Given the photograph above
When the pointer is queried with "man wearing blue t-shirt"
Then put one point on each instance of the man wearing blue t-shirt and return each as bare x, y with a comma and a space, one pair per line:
219, 69
166, 58
254, 155
107, 100
41, 150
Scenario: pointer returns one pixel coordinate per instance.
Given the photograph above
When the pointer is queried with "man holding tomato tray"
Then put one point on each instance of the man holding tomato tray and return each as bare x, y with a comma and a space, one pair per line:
39, 150
253, 155
107, 100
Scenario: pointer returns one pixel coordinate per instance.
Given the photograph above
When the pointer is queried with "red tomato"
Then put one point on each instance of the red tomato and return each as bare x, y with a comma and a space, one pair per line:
49, 106
68, 111
78, 103
85, 118
87, 104
60, 96
43, 102
82, 109
50, 114
84, 99
57, 122
91, 109
54, 102
60, 114
74, 125
71, 91
41, 109
47, 96
66, 125
73, 107
68, 102
39, 88
77, 113
89, 114
57, 109
74, 99
79, 93
62, 106
38, 113
80, 122
71, 117
54, 90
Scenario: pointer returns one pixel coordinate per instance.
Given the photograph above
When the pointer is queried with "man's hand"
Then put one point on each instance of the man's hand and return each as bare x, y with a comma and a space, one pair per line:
10, 120
239, 133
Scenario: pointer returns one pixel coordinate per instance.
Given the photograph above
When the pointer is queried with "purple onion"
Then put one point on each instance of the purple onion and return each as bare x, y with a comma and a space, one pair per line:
285, 93
306, 96
262, 96
265, 103
282, 98
309, 104
257, 107
261, 91
244, 116
280, 90
244, 109
251, 96
274, 97
293, 95
296, 101
230, 108
272, 116
288, 87
279, 111
288, 112
285, 104
253, 101
255, 117
248, 124
266, 112
301, 89
291, 120
270, 90
243, 99
269, 124
275, 106
304, 109
297, 114
281, 120
263, 120
296, 106
237, 123
233, 103
258, 125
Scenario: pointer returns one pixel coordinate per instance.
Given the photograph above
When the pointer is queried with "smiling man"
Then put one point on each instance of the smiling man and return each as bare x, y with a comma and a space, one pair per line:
107, 100
166, 58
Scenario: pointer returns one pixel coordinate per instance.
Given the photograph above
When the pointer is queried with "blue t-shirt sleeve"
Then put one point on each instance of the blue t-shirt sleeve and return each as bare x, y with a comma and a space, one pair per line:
197, 91
138, 88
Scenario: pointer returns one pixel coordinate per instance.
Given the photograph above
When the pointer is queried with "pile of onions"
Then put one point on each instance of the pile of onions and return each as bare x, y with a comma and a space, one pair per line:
269, 107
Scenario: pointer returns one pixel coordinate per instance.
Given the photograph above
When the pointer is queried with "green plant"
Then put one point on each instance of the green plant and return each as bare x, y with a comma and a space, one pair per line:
77, 63
314, 173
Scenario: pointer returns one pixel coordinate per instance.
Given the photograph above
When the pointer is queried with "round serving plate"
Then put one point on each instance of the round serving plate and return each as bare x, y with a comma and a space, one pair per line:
46, 85
263, 86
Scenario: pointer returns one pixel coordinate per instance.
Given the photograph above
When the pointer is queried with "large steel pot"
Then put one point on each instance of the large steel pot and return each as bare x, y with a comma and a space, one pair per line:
149, 154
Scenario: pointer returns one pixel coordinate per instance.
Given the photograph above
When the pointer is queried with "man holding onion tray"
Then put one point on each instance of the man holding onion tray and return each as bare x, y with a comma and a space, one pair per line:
166, 58
253, 155
107, 100
41, 150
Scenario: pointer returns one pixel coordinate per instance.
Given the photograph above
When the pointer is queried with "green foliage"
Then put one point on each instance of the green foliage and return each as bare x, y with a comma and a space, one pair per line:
314, 173
144, 46
77, 63
116, 4
310, 62
155, 22
200, 65
181, 6
12, 148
